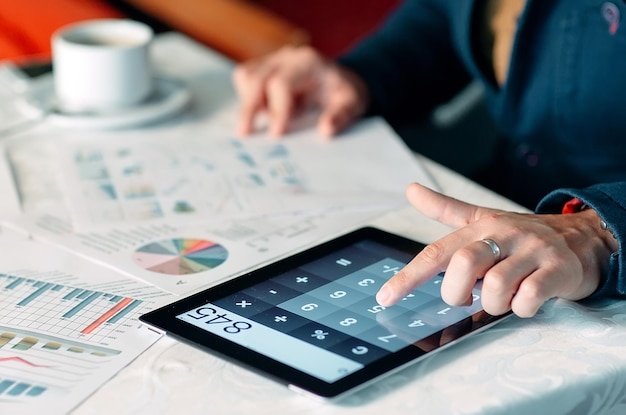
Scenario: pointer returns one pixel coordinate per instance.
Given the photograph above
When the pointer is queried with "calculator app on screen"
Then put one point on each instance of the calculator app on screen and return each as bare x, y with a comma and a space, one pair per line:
322, 317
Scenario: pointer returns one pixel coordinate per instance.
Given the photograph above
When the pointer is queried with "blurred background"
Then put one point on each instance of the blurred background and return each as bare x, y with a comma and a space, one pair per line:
331, 26
459, 135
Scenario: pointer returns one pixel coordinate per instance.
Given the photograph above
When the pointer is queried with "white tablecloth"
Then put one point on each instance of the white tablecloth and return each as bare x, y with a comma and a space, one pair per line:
569, 359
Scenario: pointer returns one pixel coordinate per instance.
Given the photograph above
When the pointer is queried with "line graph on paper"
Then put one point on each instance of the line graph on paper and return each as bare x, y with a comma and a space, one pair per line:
33, 365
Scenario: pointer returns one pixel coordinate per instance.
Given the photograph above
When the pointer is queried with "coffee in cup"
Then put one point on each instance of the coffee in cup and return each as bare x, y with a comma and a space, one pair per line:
102, 65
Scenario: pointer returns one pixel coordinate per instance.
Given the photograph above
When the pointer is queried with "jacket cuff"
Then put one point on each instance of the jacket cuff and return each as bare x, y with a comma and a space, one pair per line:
611, 212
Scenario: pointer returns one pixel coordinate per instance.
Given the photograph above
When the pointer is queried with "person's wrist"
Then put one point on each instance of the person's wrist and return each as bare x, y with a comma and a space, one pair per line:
576, 206
601, 229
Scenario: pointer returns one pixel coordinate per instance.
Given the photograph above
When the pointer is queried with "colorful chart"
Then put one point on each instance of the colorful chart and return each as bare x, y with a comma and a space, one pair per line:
180, 256
69, 311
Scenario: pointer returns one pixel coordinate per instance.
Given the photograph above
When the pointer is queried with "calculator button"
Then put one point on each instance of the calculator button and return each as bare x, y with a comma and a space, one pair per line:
356, 349
385, 268
319, 335
340, 263
337, 294
309, 307
409, 326
369, 308
242, 304
440, 314
416, 299
433, 286
363, 282
299, 280
349, 322
383, 338
279, 319
271, 292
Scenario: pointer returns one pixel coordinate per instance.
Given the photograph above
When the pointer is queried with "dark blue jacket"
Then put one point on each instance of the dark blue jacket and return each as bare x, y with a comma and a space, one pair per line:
561, 111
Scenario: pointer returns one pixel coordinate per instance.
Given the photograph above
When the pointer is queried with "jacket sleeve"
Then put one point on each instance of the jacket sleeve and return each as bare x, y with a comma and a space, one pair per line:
410, 64
609, 201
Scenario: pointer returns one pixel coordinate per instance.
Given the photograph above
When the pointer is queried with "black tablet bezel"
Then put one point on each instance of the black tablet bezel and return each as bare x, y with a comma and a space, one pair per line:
164, 319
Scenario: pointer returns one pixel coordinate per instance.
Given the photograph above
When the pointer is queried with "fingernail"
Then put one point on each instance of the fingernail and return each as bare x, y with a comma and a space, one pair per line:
384, 295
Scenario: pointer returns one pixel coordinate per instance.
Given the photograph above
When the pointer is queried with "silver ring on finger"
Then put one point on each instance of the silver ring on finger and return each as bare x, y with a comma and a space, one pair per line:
495, 248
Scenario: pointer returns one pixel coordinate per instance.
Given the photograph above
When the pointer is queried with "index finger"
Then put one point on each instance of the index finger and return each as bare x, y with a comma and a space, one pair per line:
429, 262
444, 209
434, 258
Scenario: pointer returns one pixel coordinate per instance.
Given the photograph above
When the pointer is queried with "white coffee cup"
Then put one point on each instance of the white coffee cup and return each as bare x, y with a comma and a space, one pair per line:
102, 65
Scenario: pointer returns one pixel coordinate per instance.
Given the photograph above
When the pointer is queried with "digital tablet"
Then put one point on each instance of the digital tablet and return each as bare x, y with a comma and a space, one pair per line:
311, 321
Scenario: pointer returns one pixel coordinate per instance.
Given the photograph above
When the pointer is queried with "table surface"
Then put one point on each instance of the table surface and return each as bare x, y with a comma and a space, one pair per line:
568, 359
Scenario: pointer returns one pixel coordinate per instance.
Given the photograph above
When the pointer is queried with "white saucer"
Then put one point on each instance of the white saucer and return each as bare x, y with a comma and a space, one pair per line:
169, 98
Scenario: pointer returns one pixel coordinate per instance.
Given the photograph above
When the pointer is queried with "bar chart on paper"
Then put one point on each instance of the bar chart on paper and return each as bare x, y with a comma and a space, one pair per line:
54, 337
63, 310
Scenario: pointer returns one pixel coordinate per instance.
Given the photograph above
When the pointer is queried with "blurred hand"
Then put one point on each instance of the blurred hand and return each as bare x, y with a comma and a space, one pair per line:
542, 256
285, 81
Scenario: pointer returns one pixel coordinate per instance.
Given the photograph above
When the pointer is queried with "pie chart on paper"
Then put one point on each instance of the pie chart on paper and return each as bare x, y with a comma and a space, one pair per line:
180, 256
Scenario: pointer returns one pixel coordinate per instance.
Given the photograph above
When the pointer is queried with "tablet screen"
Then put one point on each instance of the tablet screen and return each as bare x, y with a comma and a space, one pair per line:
316, 315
